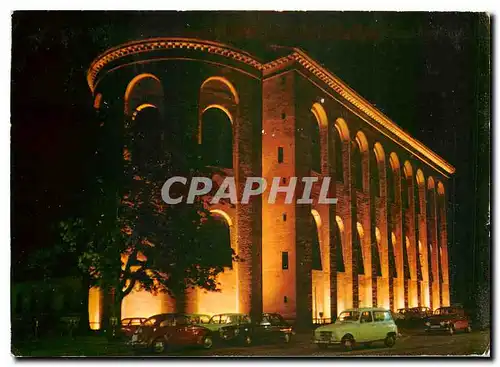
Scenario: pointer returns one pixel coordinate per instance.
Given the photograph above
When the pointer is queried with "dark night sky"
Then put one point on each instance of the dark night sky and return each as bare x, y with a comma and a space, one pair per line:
426, 71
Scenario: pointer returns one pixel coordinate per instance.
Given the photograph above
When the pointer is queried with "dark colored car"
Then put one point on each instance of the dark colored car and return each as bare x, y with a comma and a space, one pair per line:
130, 325
231, 327
161, 331
238, 328
420, 312
448, 319
271, 328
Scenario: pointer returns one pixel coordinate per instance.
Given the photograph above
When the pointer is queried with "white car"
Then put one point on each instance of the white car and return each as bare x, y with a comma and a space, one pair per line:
358, 325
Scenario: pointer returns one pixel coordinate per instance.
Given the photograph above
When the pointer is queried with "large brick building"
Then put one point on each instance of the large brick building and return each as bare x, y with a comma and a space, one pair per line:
284, 115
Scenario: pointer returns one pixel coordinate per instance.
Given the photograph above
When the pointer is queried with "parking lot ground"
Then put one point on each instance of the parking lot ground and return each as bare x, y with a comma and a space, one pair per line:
409, 344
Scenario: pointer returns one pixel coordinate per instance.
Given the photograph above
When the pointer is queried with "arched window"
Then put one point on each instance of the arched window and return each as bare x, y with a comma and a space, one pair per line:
393, 271
357, 167
338, 245
143, 102
146, 136
393, 179
421, 261
221, 234
417, 199
407, 185
339, 162
316, 247
431, 200
374, 175
358, 246
315, 143
429, 263
406, 262
217, 138
376, 253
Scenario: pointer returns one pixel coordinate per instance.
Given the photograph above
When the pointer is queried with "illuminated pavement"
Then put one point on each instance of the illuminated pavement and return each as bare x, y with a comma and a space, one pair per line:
417, 344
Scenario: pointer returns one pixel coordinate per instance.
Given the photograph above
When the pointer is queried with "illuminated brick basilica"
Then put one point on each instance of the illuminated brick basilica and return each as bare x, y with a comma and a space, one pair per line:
284, 115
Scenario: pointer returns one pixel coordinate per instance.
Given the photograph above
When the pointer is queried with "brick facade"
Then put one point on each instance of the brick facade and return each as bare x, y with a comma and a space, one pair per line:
270, 107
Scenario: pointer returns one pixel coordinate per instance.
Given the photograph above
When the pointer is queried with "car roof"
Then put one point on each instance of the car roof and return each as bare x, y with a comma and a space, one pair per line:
361, 309
172, 314
231, 314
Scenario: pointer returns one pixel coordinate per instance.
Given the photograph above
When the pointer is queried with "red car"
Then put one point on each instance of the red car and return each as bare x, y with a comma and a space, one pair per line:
162, 331
448, 319
130, 325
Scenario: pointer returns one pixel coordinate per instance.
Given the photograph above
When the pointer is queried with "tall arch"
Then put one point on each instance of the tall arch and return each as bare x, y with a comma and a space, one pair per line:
146, 139
359, 162
315, 139
216, 137
340, 244
443, 244
316, 238
227, 299
394, 179
407, 185
376, 254
218, 110
319, 302
358, 244
377, 170
420, 192
221, 234
339, 144
432, 240
218, 84
143, 88
342, 128
342, 151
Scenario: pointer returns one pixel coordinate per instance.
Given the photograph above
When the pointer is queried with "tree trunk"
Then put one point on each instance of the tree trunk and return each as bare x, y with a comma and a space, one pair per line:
180, 301
112, 317
106, 310
84, 325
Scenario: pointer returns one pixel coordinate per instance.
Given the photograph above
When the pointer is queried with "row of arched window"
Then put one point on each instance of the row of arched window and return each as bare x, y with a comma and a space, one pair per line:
367, 166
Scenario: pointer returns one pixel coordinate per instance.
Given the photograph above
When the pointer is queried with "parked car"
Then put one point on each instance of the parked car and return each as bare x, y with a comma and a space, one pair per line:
272, 327
161, 331
130, 325
231, 327
363, 325
448, 319
421, 312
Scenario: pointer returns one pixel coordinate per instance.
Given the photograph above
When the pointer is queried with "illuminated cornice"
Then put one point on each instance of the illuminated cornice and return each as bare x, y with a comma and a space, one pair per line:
159, 44
363, 105
296, 56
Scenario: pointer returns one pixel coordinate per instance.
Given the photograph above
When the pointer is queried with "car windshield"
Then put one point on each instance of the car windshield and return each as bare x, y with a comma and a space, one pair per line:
444, 311
151, 321
348, 316
223, 319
